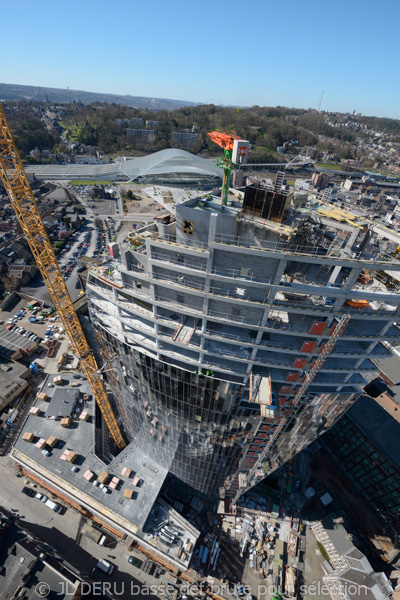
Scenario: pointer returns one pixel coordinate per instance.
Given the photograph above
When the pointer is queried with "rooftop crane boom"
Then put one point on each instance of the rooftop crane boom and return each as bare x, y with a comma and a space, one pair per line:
21, 197
233, 153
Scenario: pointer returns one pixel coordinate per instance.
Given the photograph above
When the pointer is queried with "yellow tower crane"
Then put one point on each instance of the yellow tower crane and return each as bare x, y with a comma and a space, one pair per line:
21, 197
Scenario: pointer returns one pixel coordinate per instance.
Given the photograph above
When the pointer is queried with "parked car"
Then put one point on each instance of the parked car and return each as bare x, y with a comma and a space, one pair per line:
135, 561
41, 497
28, 491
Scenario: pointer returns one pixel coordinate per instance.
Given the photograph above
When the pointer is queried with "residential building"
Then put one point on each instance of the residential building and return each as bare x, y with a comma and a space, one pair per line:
320, 180
185, 139
348, 573
30, 570
141, 134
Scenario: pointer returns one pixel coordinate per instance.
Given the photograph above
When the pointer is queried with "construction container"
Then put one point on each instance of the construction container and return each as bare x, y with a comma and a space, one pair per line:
35, 410
65, 422
126, 472
128, 493
28, 437
42, 396
41, 444
84, 415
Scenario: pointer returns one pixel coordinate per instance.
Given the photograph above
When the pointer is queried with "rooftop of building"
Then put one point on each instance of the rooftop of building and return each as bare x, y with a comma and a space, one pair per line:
169, 161
211, 204
13, 343
379, 419
79, 438
13, 379
62, 403
28, 563
353, 570
143, 476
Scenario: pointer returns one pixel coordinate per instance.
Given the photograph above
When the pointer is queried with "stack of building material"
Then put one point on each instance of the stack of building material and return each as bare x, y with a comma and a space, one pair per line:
88, 475
52, 441
126, 472
35, 410
114, 482
69, 455
42, 396
65, 422
57, 380
41, 443
128, 493
103, 477
84, 415
28, 437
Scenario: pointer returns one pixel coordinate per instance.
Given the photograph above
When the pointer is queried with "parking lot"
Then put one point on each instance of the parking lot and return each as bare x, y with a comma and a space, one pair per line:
98, 206
32, 325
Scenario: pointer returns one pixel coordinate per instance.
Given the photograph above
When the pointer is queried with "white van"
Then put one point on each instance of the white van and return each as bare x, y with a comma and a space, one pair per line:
53, 505
105, 566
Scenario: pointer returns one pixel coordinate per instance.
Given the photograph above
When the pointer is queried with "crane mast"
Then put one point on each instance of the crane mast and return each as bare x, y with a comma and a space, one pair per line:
22, 200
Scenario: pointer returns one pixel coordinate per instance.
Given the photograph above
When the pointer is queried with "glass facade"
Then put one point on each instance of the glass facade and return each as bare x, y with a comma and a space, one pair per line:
364, 463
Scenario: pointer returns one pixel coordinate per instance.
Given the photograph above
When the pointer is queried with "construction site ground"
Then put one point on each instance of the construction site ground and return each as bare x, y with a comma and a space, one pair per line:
143, 204
313, 572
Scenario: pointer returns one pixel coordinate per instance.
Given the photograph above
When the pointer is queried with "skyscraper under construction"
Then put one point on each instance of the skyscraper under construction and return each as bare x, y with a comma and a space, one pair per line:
236, 339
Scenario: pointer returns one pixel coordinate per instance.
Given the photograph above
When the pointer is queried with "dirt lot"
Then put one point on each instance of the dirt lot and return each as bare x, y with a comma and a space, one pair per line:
102, 206
142, 204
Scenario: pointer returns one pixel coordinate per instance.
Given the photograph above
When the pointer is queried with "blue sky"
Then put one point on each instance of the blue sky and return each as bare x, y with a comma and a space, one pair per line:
243, 53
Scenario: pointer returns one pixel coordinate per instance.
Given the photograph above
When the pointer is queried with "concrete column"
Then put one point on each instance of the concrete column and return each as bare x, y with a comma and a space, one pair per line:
334, 274
386, 327
352, 278
207, 285
279, 272
212, 227
352, 239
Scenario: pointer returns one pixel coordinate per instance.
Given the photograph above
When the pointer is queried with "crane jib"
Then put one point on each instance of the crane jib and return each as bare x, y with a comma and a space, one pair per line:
17, 186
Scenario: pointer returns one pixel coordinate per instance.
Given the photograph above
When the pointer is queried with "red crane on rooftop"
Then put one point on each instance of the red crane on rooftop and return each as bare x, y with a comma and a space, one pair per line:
238, 150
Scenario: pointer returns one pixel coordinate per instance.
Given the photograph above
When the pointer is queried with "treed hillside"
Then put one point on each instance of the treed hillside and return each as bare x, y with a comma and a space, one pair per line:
265, 128
29, 133
105, 125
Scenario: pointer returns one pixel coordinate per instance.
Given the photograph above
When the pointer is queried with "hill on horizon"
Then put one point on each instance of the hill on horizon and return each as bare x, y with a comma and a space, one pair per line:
9, 91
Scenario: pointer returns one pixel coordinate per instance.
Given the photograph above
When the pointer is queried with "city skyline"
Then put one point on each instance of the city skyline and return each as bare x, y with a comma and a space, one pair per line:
181, 53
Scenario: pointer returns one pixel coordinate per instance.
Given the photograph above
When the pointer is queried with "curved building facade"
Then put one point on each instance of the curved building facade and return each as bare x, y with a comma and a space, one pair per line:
216, 319
166, 167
